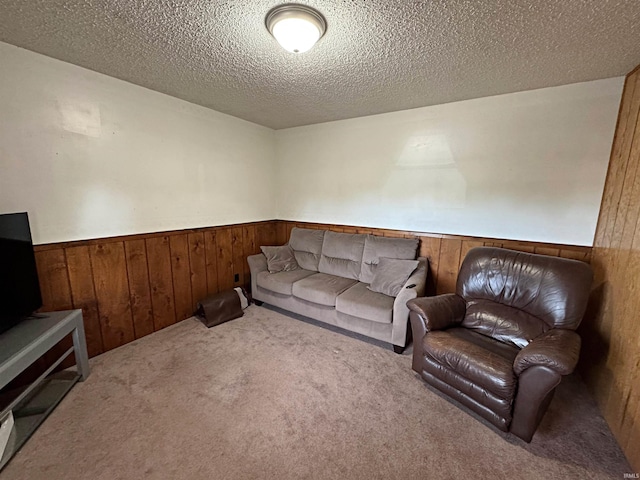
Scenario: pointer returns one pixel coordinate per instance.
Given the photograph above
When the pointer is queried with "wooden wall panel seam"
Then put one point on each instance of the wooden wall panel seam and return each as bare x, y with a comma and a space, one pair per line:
153, 315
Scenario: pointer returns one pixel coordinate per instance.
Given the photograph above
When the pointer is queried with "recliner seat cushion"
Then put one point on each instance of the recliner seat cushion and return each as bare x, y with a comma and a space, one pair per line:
359, 301
342, 254
321, 288
481, 360
281, 282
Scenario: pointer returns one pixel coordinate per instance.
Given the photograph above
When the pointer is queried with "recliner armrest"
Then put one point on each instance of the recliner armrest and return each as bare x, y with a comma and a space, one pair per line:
439, 312
557, 349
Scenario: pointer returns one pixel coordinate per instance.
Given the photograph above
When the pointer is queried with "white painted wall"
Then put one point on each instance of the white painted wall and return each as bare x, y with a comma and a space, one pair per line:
90, 156
523, 166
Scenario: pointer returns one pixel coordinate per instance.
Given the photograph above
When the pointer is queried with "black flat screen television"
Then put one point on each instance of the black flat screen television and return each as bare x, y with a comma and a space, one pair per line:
19, 287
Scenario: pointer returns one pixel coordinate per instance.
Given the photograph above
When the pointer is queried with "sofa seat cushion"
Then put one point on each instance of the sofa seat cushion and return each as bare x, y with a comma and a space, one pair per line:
481, 360
281, 282
321, 288
359, 301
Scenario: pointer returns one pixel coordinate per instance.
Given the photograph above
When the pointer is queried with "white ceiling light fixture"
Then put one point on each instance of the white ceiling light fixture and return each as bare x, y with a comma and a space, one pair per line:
297, 28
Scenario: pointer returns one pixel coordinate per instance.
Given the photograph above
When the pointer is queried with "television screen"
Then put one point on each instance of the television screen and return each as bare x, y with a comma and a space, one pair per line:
19, 286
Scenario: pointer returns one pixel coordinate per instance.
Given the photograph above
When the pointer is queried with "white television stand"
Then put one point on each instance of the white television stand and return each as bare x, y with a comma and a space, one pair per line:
23, 345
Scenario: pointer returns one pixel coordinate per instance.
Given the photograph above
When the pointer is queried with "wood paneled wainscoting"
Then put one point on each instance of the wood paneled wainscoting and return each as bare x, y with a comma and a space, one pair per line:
129, 287
612, 330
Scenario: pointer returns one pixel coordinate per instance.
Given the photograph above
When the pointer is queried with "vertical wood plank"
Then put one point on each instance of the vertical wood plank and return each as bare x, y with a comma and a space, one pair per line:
493, 243
466, 246
237, 254
84, 296
288, 226
552, 252
54, 280
386, 233
448, 265
55, 290
224, 242
583, 256
625, 333
519, 246
249, 248
430, 248
211, 256
266, 234
139, 290
181, 272
198, 263
161, 281
112, 292
281, 228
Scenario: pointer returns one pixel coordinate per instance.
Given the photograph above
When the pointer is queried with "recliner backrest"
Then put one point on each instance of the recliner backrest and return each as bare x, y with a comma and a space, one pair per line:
516, 296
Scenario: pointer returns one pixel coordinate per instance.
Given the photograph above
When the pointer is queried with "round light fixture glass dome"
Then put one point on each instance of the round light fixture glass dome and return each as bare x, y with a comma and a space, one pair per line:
297, 28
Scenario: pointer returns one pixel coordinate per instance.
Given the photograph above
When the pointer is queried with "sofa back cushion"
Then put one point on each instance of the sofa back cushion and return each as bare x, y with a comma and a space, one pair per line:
342, 254
383, 247
307, 247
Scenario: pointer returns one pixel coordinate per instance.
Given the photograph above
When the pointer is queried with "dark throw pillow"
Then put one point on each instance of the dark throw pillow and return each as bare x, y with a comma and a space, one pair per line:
391, 274
280, 259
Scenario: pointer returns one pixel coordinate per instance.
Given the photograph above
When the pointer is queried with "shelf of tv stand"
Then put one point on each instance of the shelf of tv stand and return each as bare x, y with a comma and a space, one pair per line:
20, 347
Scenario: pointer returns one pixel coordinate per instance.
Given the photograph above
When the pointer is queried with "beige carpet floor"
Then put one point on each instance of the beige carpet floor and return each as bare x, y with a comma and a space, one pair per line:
267, 396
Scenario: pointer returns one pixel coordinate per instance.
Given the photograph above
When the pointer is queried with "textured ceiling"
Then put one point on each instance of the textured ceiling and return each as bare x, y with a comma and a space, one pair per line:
377, 55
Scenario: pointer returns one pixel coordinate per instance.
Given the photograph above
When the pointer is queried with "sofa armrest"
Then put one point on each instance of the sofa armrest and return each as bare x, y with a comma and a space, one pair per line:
557, 349
257, 264
400, 310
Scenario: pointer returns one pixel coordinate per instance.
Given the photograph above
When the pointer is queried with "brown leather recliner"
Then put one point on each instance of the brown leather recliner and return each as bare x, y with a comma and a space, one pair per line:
502, 342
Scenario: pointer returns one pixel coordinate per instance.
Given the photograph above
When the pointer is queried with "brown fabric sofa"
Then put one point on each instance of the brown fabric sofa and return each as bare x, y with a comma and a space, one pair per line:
501, 344
331, 282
